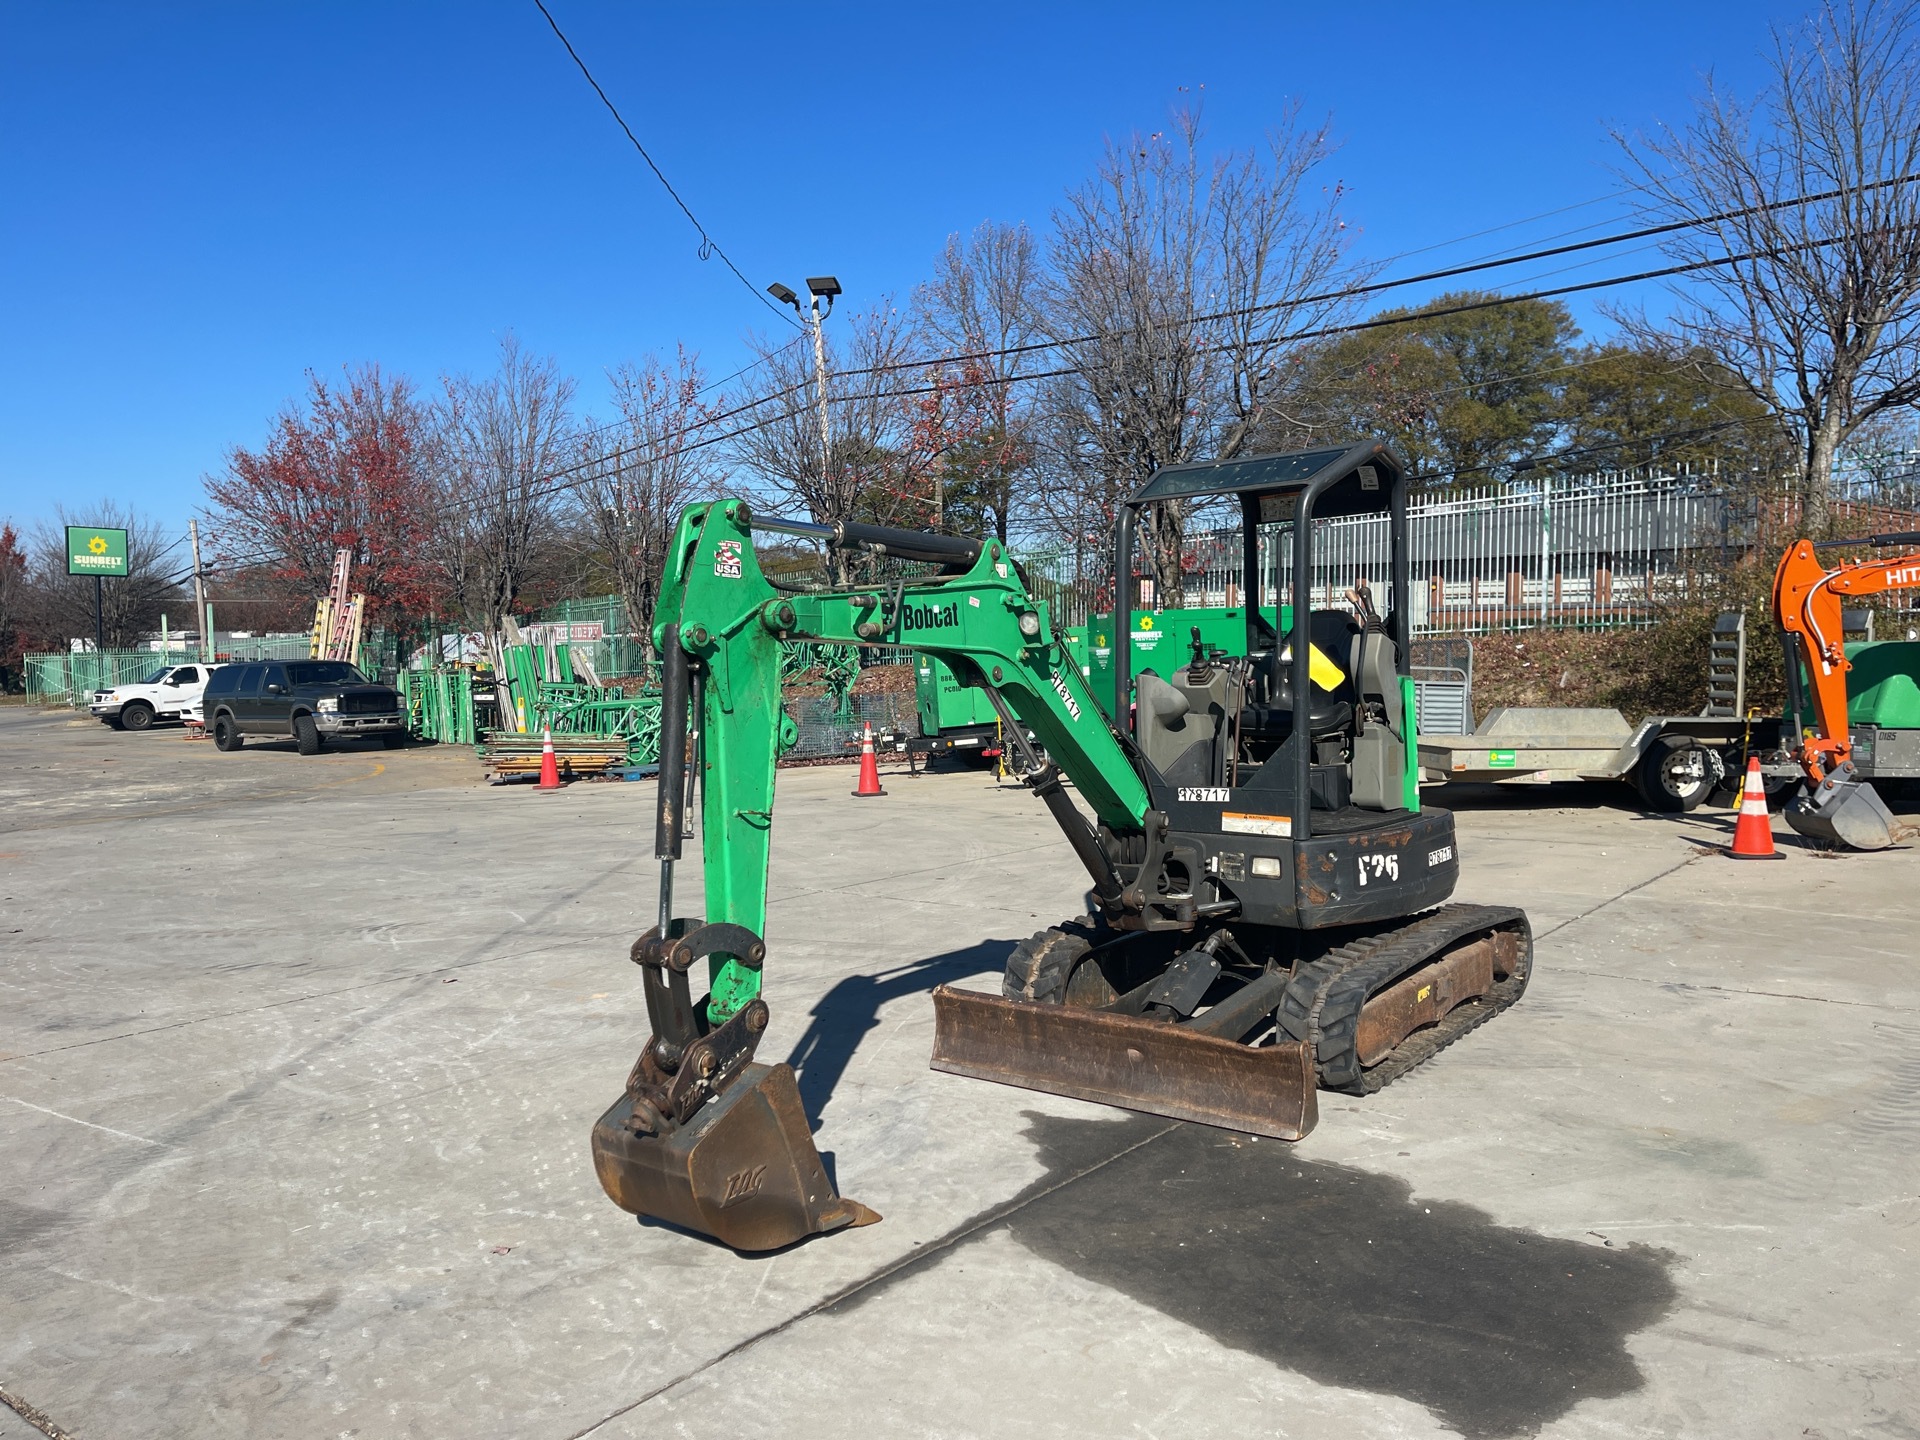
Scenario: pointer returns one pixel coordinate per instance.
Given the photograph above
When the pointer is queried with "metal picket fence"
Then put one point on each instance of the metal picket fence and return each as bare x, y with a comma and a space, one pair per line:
1599, 551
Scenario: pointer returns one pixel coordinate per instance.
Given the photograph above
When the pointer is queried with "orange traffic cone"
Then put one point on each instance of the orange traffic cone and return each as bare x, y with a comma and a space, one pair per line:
1753, 831
869, 770
549, 767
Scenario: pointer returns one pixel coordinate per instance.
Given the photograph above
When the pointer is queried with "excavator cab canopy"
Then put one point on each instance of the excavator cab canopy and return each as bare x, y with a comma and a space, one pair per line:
1281, 497
1350, 480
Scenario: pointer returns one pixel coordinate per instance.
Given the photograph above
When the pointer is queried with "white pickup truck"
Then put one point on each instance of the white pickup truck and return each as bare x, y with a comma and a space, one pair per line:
170, 693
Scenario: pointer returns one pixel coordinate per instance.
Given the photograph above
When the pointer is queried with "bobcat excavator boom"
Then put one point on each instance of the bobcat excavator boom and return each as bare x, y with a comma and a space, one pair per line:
1258, 867
1838, 807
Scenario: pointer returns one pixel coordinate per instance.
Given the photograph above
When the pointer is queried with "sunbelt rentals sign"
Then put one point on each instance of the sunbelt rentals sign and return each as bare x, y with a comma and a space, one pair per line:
92, 551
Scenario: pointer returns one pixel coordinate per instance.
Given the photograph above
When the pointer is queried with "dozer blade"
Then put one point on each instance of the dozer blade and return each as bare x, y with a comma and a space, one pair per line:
743, 1170
1121, 1060
1847, 813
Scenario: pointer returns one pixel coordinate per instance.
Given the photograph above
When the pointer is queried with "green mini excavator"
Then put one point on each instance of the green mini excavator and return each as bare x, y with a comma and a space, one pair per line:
1266, 914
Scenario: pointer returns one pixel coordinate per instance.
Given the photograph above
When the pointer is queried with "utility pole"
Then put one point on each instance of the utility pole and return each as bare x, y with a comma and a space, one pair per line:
200, 596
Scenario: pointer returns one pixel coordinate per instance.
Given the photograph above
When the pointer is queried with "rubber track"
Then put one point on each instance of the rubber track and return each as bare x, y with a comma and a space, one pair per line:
1059, 946
1323, 1002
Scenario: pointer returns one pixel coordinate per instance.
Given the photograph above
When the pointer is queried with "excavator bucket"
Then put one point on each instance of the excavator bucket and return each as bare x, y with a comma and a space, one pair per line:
743, 1169
1122, 1060
1847, 813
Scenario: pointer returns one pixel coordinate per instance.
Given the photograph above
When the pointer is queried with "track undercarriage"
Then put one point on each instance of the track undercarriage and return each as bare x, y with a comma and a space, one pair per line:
1237, 1025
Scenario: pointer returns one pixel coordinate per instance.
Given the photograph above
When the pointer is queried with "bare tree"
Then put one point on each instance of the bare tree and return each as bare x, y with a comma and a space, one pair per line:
973, 432
1882, 459
861, 469
643, 472
1819, 308
1178, 288
496, 444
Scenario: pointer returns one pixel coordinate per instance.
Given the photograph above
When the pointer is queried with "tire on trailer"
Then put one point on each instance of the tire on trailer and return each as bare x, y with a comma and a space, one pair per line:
1675, 775
1044, 968
226, 734
136, 715
306, 735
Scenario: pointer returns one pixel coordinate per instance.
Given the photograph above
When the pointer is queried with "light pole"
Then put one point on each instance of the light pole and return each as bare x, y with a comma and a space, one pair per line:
819, 287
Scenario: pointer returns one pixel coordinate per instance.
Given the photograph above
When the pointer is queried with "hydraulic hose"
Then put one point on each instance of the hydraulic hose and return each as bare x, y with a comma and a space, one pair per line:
673, 765
935, 549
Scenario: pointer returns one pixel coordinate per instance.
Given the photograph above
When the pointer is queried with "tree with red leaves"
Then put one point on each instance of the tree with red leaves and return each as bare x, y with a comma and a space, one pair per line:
13, 582
340, 469
966, 454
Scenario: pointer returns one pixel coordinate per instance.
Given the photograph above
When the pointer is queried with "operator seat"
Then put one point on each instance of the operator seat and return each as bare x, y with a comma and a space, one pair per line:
1328, 712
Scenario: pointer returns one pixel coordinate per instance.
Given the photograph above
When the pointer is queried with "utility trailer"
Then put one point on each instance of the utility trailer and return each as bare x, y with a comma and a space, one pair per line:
1674, 762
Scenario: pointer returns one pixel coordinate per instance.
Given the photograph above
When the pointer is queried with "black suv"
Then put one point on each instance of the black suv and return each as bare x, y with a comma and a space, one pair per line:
311, 701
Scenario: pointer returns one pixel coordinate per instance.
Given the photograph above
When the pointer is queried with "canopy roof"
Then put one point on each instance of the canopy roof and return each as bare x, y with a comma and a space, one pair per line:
1362, 476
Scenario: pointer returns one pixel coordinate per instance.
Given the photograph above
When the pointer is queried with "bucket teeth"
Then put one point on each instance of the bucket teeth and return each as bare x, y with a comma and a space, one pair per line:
742, 1169
1137, 1064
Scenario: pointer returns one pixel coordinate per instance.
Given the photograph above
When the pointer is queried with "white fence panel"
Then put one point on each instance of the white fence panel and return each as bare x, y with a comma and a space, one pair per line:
1593, 551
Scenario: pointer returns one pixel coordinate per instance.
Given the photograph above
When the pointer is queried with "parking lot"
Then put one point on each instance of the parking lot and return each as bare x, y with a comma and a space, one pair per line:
298, 1060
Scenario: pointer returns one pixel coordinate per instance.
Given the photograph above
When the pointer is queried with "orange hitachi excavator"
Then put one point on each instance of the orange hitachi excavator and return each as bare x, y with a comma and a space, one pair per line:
1838, 806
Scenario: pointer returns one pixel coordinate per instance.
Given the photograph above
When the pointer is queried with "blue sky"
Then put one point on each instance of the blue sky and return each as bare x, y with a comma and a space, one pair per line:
200, 202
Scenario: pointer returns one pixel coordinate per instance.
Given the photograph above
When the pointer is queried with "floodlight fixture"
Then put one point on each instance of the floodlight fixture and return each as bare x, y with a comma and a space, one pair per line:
824, 287
783, 294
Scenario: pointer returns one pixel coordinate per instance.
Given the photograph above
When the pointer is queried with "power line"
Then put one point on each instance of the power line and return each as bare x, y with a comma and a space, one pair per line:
708, 245
1534, 462
555, 482
1514, 225
1374, 287
753, 364
1377, 287
1376, 323
1323, 332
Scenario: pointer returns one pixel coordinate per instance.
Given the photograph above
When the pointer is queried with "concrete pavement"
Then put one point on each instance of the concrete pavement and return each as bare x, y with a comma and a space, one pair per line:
298, 1060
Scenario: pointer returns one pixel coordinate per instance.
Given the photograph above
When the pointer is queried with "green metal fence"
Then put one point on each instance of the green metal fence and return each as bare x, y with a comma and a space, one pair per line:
609, 611
618, 653
71, 677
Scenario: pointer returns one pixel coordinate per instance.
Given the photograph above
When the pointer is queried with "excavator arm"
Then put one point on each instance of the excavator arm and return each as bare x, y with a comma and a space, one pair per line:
1808, 597
703, 1137
721, 618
